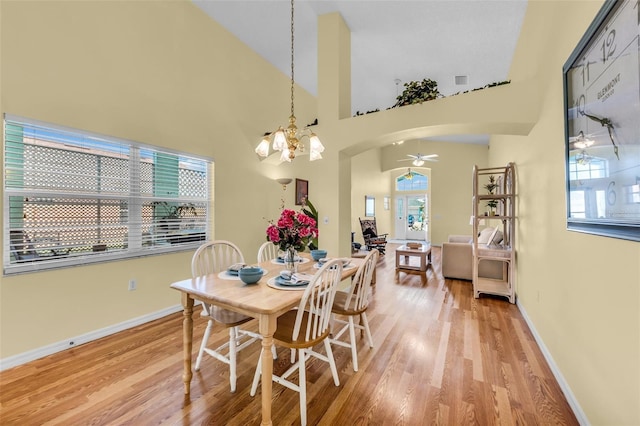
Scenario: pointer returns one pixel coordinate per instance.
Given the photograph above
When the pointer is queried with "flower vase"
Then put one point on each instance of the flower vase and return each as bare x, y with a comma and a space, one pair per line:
290, 259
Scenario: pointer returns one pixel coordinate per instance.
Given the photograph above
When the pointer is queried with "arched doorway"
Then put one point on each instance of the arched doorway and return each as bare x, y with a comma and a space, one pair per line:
411, 207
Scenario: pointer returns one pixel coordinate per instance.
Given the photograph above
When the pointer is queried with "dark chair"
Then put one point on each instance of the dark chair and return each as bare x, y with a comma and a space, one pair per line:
372, 239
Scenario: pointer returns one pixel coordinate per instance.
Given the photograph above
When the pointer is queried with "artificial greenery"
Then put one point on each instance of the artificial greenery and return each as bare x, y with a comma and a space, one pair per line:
486, 86
416, 92
309, 209
358, 113
490, 187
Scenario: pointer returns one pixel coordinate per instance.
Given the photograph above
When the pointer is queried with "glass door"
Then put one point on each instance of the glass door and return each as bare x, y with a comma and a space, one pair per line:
400, 222
417, 222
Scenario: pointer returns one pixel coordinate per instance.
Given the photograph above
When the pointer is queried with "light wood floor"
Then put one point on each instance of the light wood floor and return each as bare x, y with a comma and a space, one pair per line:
440, 357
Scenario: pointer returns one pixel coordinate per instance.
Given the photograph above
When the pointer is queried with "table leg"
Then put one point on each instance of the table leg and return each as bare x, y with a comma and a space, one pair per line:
187, 340
267, 328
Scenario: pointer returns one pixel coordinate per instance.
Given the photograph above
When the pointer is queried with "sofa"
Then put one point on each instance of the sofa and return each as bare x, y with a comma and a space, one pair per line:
457, 256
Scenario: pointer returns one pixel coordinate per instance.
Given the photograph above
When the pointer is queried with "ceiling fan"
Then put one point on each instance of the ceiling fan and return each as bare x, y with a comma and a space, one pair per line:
419, 159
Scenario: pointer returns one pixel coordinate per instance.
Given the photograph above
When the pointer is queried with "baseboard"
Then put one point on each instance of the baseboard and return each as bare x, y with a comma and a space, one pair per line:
566, 390
32, 355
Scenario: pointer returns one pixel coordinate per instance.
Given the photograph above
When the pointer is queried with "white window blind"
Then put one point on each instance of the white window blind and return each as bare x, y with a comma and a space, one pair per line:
73, 197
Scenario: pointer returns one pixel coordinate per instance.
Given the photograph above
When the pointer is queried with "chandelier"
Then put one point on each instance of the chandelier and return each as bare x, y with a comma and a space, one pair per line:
408, 175
289, 140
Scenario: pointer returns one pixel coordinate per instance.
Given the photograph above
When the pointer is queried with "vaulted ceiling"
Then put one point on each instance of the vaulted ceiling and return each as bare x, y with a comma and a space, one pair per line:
393, 41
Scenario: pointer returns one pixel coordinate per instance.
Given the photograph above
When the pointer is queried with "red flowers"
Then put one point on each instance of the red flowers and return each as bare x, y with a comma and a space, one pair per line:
293, 229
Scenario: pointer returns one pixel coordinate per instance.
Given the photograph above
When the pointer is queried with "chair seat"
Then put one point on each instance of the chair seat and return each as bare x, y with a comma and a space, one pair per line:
339, 305
228, 318
284, 331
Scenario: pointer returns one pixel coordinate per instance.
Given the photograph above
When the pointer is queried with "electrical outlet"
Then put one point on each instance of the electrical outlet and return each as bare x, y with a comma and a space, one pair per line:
132, 284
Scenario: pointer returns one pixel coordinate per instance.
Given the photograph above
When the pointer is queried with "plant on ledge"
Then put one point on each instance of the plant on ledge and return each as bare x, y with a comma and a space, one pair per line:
416, 92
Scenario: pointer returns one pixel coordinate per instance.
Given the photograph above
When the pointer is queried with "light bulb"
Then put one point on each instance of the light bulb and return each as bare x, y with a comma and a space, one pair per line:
263, 149
279, 140
316, 145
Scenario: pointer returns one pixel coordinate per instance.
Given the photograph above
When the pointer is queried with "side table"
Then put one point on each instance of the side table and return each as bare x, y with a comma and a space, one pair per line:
423, 252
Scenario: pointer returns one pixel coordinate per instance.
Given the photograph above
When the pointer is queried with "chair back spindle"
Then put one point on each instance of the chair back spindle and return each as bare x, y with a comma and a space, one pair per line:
215, 256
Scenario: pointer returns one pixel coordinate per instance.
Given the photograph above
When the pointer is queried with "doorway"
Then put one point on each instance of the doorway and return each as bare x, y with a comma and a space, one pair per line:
412, 217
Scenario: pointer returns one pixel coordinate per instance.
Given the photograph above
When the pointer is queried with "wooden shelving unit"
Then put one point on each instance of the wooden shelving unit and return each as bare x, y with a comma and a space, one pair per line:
502, 215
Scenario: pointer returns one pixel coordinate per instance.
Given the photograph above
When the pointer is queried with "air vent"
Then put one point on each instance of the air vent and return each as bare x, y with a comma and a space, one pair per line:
462, 80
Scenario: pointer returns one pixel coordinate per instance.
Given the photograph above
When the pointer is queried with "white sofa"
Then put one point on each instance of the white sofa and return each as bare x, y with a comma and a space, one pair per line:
457, 257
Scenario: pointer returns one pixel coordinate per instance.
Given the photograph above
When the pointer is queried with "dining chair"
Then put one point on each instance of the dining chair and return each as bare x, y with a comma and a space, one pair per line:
305, 327
267, 251
353, 303
212, 258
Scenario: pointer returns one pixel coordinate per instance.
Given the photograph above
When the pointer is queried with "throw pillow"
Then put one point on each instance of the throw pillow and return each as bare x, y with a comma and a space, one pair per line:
496, 236
483, 238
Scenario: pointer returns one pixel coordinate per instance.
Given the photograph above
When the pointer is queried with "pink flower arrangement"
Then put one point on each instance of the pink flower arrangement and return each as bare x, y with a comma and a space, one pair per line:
293, 229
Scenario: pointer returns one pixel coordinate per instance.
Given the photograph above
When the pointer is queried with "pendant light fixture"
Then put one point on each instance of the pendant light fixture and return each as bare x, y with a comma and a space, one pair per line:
289, 140
408, 175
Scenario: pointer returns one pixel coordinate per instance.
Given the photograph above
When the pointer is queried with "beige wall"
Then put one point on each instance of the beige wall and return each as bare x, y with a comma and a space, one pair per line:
374, 173
160, 73
163, 73
581, 292
368, 179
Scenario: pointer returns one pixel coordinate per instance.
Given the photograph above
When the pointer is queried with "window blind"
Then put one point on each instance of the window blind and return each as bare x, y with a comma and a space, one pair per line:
74, 197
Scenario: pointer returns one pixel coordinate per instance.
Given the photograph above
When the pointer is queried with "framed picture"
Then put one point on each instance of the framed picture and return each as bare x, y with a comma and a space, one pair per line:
602, 129
302, 191
369, 206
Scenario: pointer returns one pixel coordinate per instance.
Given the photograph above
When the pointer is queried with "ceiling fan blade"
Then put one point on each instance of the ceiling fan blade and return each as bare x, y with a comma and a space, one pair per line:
407, 159
424, 157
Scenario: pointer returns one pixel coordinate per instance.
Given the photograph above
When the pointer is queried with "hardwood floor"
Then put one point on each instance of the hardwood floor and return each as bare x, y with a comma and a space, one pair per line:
440, 357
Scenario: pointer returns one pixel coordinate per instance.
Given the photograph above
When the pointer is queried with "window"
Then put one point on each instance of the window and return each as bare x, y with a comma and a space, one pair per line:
369, 206
411, 181
72, 197
582, 166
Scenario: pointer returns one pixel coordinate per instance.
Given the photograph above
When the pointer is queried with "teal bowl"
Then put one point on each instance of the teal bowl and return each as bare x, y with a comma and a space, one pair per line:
318, 254
250, 275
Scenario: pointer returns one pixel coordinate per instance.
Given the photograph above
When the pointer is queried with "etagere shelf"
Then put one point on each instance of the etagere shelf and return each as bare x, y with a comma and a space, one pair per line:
494, 187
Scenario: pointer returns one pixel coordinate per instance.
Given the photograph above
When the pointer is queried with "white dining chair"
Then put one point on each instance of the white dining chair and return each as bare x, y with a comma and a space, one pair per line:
267, 251
305, 327
212, 258
353, 303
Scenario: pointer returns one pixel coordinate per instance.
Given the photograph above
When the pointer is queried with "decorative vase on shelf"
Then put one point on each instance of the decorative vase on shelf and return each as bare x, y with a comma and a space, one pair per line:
290, 255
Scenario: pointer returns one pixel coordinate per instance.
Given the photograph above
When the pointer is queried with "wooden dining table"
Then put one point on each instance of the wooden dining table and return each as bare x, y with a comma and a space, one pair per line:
258, 300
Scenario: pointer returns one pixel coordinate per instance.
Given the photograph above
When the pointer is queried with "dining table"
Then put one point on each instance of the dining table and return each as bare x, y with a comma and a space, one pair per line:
261, 301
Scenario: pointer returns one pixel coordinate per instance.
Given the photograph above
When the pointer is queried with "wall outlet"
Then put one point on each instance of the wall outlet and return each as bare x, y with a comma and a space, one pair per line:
132, 284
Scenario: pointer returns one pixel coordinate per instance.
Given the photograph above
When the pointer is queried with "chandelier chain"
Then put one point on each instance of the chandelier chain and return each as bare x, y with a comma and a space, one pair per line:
292, 56
288, 140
